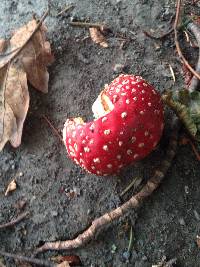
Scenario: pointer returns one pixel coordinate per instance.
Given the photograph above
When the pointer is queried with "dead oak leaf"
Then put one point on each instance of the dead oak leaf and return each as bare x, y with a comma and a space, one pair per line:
14, 103
35, 55
26, 57
72, 260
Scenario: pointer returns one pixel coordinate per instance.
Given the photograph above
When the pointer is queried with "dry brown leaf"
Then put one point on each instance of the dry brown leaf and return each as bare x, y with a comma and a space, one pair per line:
11, 187
22, 263
35, 56
73, 260
2, 45
97, 37
16, 67
63, 264
14, 103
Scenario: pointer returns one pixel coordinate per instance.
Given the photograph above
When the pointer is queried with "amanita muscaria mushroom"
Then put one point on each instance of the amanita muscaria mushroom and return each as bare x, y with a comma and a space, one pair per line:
128, 125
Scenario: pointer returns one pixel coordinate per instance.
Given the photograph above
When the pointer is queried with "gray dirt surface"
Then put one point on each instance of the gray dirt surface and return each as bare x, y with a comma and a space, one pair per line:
168, 223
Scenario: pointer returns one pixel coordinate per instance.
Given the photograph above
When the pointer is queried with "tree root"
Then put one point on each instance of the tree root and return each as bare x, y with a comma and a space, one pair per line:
162, 36
133, 202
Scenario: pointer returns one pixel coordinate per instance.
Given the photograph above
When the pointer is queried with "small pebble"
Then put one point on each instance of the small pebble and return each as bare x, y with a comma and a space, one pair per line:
187, 191
126, 255
89, 211
196, 215
181, 221
144, 258
13, 166
134, 255
54, 213
117, 68
113, 248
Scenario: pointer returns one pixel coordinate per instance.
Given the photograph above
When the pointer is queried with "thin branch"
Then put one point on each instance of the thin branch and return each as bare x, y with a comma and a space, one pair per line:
135, 183
177, 42
53, 128
133, 202
86, 24
130, 239
35, 261
194, 150
67, 8
162, 36
14, 221
185, 141
196, 31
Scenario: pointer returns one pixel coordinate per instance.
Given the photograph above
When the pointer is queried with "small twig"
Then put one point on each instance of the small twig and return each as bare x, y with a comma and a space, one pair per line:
187, 36
196, 31
53, 128
67, 8
136, 182
194, 150
162, 36
172, 73
133, 202
130, 239
35, 261
86, 24
177, 42
185, 141
14, 221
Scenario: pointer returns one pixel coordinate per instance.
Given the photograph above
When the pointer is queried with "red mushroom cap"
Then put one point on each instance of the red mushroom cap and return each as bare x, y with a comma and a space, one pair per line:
128, 125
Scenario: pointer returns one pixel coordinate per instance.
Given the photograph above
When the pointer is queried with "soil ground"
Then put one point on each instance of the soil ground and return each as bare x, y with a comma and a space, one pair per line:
167, 224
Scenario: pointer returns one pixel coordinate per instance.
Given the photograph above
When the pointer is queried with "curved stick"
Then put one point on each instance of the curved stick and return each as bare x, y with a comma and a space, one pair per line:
34, 261
133, 202
196, 31
178, 48
14, 221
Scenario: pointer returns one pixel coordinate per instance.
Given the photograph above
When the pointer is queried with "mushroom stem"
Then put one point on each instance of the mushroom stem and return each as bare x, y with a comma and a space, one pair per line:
133, 202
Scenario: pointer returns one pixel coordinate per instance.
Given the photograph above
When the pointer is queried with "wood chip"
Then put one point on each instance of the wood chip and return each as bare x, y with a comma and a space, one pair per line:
172, 72
11, 187
198, 241
97, 37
